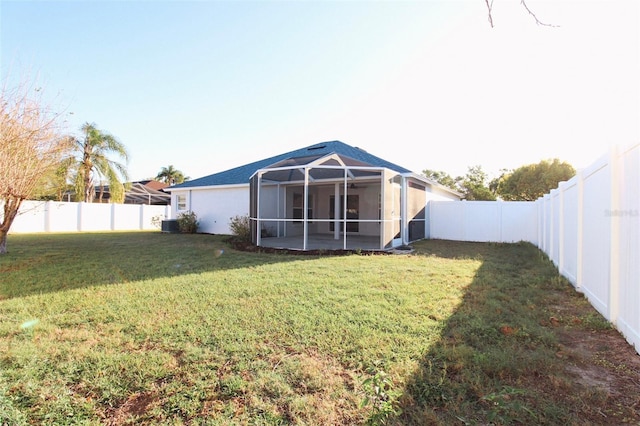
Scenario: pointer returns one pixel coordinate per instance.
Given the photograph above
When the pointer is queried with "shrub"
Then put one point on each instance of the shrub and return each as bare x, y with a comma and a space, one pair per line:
157, 220
241, 227
188, 222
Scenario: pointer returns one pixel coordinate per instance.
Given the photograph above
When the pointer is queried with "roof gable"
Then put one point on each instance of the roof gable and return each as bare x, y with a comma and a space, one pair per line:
242, 174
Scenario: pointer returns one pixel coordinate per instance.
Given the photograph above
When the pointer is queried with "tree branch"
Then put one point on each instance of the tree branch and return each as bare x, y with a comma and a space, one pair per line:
489, 6
526, 7
524, 4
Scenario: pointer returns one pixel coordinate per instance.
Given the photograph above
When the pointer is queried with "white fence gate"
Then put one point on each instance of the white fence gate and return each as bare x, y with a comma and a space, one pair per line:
589, 227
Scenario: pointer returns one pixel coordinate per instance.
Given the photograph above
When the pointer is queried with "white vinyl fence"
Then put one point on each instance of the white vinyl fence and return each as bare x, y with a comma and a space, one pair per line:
495, 221
54, 216
589, 227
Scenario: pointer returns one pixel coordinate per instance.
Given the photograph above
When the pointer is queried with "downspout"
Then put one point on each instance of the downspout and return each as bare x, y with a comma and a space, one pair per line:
258, 233
404, 231
305, 206
278, 209
383, 216
344, 213
336, 211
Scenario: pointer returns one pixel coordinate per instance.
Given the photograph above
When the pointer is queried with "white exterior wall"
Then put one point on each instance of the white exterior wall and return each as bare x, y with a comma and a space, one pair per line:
214, 207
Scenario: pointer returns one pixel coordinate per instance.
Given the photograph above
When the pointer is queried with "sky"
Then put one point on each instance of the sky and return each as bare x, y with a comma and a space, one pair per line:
210, 85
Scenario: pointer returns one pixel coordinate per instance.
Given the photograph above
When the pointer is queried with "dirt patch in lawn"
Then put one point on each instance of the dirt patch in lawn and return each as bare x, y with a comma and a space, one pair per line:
603, 361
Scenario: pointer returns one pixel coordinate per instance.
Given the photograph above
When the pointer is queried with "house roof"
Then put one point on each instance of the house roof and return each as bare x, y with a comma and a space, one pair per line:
242, 174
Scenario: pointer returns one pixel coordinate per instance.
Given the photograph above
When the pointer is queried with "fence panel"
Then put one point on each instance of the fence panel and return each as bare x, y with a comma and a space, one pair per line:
555, 227
570, 230
628, 215
495, 221
481, 221
125, 217
52, 216
596, 235
62, 217
589, 227
519, 221
151, 215
446, 220
30, 217
95, 217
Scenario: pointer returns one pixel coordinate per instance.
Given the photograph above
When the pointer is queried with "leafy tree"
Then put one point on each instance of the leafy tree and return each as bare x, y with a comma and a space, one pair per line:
528, 183
171, 175
443, 178
55, 184
93, 165
31, 145
474, 185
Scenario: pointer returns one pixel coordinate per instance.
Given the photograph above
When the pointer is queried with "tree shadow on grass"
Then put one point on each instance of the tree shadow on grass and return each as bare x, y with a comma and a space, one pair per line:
44, 263
498, 359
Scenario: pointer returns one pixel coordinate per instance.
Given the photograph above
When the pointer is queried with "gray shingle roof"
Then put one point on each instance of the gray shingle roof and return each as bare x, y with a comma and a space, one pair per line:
242, 174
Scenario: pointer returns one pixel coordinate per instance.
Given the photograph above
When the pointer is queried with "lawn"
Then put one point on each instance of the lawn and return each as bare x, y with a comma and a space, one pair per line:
129, 328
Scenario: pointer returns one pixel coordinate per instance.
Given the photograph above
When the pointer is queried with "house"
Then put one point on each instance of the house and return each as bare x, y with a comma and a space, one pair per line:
307, 198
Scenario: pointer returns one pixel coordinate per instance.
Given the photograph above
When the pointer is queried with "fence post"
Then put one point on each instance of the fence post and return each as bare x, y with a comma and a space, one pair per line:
545, 220
614, 249
540, 202
112, 222
552, 227
80, 216
141, 224
47, 216
500, 222
580, 224
561, 190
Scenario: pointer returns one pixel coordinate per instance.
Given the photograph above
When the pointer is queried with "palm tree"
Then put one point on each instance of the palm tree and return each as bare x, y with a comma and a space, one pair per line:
171, 176
94, 165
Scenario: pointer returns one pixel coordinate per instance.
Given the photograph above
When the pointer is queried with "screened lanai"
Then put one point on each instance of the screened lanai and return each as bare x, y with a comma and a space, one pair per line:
326, 202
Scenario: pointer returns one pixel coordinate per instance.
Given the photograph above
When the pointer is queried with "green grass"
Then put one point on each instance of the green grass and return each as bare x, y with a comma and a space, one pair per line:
162, 328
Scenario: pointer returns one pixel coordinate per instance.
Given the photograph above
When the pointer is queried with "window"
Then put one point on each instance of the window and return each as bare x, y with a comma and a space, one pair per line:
353, 212
181, 202
298, 207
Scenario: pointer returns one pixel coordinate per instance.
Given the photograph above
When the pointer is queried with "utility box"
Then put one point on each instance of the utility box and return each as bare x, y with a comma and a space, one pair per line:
170, 226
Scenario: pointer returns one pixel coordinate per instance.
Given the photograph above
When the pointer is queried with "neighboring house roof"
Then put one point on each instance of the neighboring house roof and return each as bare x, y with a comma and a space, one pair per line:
153, 184
141, 192
144, 193
242, 174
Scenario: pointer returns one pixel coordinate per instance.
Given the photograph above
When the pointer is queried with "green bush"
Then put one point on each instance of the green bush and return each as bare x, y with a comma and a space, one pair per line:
188, 222
241, 227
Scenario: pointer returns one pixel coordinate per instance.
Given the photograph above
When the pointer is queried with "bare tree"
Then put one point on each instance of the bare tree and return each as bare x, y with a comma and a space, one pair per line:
31, 143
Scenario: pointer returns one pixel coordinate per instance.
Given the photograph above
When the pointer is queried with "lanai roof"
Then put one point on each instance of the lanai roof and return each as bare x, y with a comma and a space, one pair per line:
242, 174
